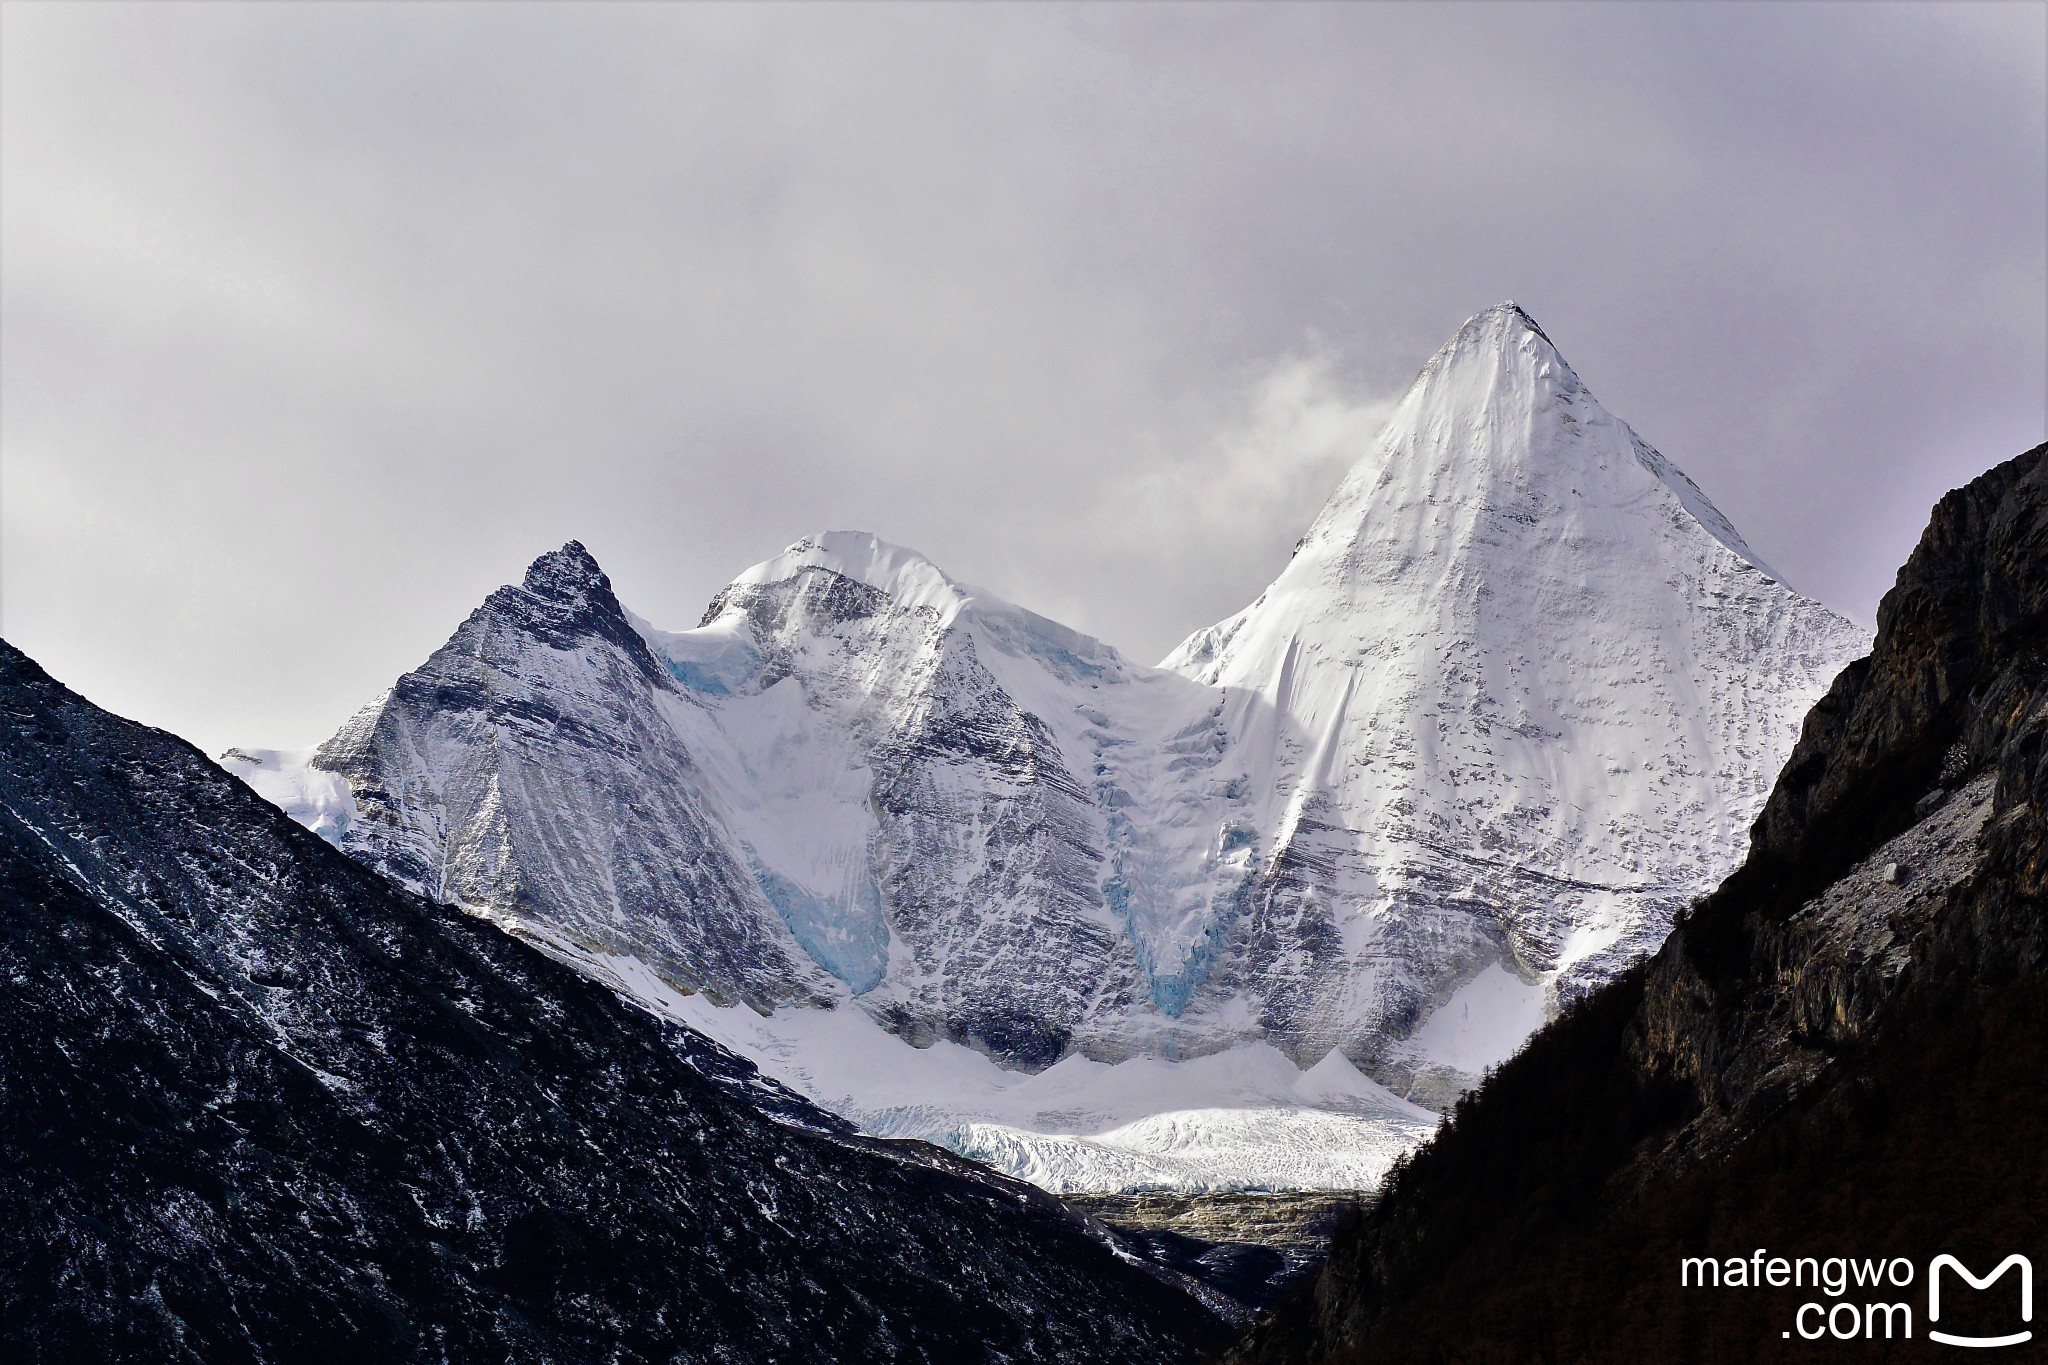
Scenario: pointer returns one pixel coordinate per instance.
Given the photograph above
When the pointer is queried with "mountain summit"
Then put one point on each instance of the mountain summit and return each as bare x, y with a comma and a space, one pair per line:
1513, 703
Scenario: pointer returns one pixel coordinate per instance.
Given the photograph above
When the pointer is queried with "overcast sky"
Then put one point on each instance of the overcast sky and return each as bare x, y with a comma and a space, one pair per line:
321, 321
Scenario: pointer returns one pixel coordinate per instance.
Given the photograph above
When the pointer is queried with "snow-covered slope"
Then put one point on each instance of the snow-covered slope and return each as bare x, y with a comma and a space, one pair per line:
1242, 1118
1513, 702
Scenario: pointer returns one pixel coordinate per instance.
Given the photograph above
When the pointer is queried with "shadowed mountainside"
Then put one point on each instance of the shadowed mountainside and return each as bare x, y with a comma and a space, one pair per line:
258, 1104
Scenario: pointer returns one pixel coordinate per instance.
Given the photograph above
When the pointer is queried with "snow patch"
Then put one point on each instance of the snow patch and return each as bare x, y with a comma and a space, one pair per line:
1483, 1025
286, 778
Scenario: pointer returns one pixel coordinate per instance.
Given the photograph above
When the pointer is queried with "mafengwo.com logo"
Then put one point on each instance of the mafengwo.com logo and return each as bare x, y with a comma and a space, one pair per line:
1874, 1299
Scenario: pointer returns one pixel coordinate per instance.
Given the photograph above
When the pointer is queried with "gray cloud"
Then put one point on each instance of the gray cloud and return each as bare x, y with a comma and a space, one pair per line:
319, 321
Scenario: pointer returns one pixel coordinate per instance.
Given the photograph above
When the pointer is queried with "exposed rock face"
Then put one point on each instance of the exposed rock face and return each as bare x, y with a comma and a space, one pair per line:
1839, 1053
1512, 704
256, 1103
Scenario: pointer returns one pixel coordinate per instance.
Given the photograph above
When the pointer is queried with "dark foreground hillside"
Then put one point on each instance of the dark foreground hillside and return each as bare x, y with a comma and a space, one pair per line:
255, 1104
1842, 1053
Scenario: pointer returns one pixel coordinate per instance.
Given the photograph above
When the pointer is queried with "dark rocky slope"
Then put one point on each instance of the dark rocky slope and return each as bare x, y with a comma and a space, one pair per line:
1840, 1053
258, 1105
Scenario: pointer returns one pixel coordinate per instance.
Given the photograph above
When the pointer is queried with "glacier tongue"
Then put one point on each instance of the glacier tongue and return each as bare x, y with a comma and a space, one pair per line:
1514, 701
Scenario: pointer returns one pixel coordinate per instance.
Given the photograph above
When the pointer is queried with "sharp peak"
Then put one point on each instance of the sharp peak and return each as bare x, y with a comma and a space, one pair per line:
1503, 320
571, 571
565, 600
1486, 362
1508, 307
572, 555
1493, 336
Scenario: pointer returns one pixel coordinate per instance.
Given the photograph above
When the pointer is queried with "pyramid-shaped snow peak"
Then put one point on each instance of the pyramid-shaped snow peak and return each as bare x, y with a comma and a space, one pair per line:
1496, 419
1519, 693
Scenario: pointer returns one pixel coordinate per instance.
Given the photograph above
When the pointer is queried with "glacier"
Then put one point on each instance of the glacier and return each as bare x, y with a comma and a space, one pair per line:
958, 871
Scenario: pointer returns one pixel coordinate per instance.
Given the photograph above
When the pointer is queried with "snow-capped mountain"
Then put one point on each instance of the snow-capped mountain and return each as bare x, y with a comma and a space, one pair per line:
990, 828
1514, 701
1848, 1034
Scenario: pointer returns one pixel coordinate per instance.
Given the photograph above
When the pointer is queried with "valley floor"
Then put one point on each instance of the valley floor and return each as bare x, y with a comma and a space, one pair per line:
1250, 1246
